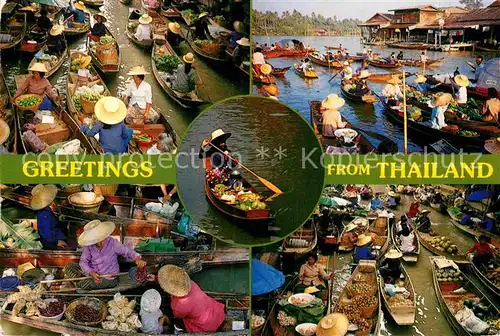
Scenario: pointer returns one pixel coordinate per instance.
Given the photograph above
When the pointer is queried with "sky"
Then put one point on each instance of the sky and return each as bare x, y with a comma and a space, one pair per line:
355, 9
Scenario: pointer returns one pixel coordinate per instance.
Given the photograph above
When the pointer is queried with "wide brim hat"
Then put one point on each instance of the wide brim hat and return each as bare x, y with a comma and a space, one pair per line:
364, 74
245, 42
350, 227
311, 290
442, 99
80, 5
490, 215
145, 19
95, 231
42, 196
38, 67
100, 15
174, 280
461, 80
333, 101
346, 63
393, 254
420, 79
56, 30
219, 136
238, 26
85, 61
174, 27
272, 89
110, 110
492, 146
363, 240
335, 324
394, 80
151, 301
266, 69
188, 58
426, 212
391, 193
202, 15
4, 131
137, 70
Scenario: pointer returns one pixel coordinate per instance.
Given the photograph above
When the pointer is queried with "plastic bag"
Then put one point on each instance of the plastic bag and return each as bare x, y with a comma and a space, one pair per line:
471, 322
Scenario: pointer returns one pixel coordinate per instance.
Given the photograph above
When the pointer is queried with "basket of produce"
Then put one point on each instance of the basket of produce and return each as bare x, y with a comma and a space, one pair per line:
360, 288
86, 311
88, 101
364, 326
143, 139
54, 309
28, 102
257, 324
350, 311
367, 304
86, 201
209, 47
166, 63
364, 277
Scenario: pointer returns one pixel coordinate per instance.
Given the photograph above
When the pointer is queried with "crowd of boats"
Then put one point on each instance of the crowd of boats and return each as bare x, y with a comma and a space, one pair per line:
298, 286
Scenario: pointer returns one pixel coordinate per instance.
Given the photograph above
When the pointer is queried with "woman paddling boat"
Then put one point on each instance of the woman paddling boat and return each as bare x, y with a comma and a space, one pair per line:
139, 96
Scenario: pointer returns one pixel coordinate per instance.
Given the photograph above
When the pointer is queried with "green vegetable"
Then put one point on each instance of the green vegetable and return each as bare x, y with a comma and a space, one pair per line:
166, 63
91, 97
467, 133
106, 39
189, 14
28, 101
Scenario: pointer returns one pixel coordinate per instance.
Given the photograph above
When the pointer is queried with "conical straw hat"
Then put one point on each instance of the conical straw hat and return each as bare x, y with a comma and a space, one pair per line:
393, 254
38, 66
110, 110
333, 101
333, 325
266, 69
4, 131
95, 231
174, 27
80, 5
174, 280
137, 70
145, 19
188, 58
42, 196
363, 240
56, 30
461, 80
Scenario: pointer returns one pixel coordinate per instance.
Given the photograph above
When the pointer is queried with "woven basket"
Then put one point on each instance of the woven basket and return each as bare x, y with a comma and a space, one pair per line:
30, 108
92, 302
87, 106
85, 207
106, 189
107, 54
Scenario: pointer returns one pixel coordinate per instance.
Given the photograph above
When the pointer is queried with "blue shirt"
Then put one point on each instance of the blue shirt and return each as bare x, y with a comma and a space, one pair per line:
465, 220
423, 87
78, 15
392, 201
478, 71
376, 204
113, 140
488, 224
48, 227
363, 253
235, 36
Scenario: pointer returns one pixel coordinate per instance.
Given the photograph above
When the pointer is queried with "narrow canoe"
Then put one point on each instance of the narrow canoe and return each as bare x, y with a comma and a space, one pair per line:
402, 315
480, 93
33, 42
368, 98
189, 100
360, 229
133, 21
219, 59
418, 63
286, 53
302, 241
332, 63
384, 65
105, 66
410, 257
384, 77
16, 27
376, 56
11, 144
78, 28
308, 75
473, 232
487, 281
52, 67
278, 72
262, 79
380, 227
93, 3
408, 45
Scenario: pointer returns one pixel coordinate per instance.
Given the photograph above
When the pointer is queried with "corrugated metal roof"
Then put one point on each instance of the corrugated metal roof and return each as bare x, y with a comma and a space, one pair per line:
489, 14
423, 7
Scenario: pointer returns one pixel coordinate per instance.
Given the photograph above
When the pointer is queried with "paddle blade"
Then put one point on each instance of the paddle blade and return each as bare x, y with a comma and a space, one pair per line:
270, 186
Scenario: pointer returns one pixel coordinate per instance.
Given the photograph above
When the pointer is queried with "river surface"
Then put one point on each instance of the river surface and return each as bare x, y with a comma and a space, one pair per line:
255, 123
297, 92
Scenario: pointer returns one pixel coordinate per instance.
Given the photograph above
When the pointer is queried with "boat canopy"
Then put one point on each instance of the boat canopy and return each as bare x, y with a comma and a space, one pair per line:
490, 76
265, 278
291, 44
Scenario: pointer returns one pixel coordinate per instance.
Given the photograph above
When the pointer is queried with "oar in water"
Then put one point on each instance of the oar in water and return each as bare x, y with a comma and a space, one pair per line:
262, 180
334, 76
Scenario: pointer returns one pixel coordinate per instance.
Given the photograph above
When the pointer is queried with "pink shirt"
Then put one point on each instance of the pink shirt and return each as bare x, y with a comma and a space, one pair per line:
32, 86
199, 312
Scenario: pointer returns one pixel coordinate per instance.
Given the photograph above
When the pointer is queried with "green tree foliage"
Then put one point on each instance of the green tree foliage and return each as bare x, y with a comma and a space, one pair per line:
472, 4
295, 24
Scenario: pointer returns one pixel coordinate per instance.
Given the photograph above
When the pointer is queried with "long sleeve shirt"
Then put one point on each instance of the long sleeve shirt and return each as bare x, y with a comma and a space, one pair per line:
479, 70
48, 228
481, 248
258, 58
363, 253
140, 95
438, 120
488, 224
184, 82
78, 15
143, 32
32, 86
423, 87
99, 29
113, 140
312, 275
376, 204
105, 260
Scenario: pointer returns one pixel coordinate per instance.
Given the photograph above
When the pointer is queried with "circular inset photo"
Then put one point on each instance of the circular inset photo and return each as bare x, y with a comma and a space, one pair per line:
249, 170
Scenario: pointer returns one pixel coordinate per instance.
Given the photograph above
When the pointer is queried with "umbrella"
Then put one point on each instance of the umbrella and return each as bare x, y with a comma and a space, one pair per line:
265, 278
479, 195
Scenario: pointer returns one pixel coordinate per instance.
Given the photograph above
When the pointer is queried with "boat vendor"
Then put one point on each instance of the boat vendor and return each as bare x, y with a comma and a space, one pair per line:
198, 312
56, 43
114, 135
236, 33
200, 25
366, 190
77, 13
235, 180
483, 252
392, 91
4, 136
489, 223
364, 66
173, 34
305, 65
37, 84
100, 257
350, 237
423, 57
258, 60
332, 119
370, 55
460, 82
363, 251
422, 85
361, 84
164, 145
84, 75
346, 72
414, 209
144, 30
43, 21
390, 267
491, 108
139, 94
422, 222
392, 58
242, 51
312, 274
152, 318
440, 105
98, 29
218, 155
407, 239
479, 67
391, 200
400, 55
51, 235
376, 202
184, 78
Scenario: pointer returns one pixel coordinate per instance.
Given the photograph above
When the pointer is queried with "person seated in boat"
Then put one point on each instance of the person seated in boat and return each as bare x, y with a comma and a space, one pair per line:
139, 95
392, 58
400, 55
349, 237
460, 83
479, 68
98, 29
184, 78
414, 209
235, 180
391, 200
422, 222
152, 318
350, 188
423, 57
312, 274
437, 197
242, 51
37, 84
192, 309
173, 34
364, 66
236, 33
114, 135
440, 105
77, 14
376, 202
49, 230
363, 249
332, 119
84, 75
43, 22
489, 223
341, 48
201, 30
483, 252
366, 190
346, 73
273, 47
56, 43
144, 30
100, 257
164, 145
421, 84
401, 225
370, 55
258, 60
4, 136
390, 268
491, 108
407, 239
217, 150
361, 84
392, 91
306, 65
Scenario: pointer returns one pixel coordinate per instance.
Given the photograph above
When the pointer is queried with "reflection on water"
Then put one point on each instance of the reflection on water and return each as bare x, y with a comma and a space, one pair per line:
297, 92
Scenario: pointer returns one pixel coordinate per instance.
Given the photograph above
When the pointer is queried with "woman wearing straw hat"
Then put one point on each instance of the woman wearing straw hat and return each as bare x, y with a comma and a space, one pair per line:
423, 223
242, 51
460, 83
421, 84
114, 136
55, 41
216, 149
77, 12
143, 30
312, 274
39, 85
236, 33
363, 250
335, 324
332, 119
197, 311
258, 60
346, 73
350, 237
173, 34
390, 268
98, 29
440, 105
152, 318
392, 91
200, 25
100, 256
4, 136
360, 81
51, 235
184, 79
139, 95
84, 75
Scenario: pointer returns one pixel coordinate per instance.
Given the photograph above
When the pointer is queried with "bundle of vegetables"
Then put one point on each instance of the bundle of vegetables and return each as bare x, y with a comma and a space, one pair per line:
467, 133
244, 200
106, 39
121, 315
20, 235
28, 100
189, 14
209, 47
442, 244
166, 63
90, 94
472, 109
455, 211
28, 299
399, 301
449, 274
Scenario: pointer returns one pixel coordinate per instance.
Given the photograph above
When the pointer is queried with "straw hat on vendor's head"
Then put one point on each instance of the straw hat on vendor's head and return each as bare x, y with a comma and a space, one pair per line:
333, 325
38, 67
461, 80
188, 58
393, 254
442, 99
420, 79
85, 61
311, 290
272, 89
103, 18
219, 136
492, 146
137, 70
244, 42
266, 69
202, 15
80, 5
490, 215
174, 27
364, 74
350, 227
95, 231
425, 212
346, 63
394, 80
151, 301
363, 240
145, 19
333, 101
110, 110
4, 131
43, 196
391, 193
174, 280
56, 30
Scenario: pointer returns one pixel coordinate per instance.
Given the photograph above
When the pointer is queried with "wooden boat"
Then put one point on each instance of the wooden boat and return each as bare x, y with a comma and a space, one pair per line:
485, 279
454, 217
368, 98
171, 13
447, 299
159, 26
15, 27
384, 77
480, 93
78, 28
106, 66
380, 227
364, 145
217, 59
476, 232
302, 241
188, 100
376, 56
307, 75
402, 315
93, 3
409, 257
486, 49
360, 229
286, 53
34, 40
52, 67
146, 7
384, 65
408, 45
63, 129
332, 63
418, 63
255, 220
9, 115
266, 80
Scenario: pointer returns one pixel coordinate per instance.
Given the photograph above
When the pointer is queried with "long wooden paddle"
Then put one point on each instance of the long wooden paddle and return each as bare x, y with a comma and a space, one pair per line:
334, 76
262, 180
